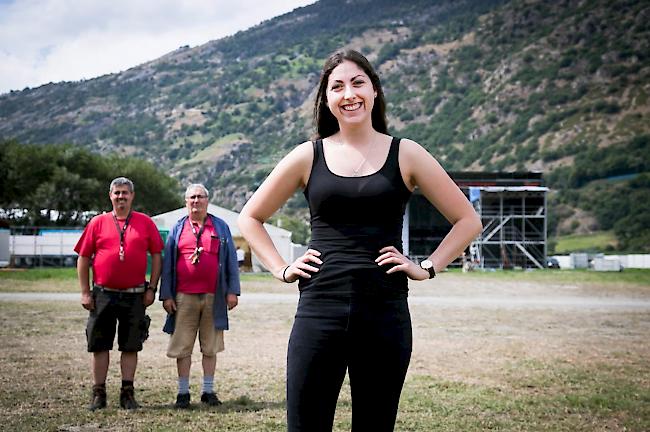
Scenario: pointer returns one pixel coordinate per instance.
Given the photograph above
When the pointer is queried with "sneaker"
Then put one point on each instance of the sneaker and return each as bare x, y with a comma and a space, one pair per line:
99, 398
182, 401
127, 398
210, 399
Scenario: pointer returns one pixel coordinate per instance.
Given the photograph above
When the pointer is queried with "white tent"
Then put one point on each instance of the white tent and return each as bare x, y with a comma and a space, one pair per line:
281, 237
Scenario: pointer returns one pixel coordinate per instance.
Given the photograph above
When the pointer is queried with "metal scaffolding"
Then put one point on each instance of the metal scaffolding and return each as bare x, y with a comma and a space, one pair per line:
512, 207
514, 226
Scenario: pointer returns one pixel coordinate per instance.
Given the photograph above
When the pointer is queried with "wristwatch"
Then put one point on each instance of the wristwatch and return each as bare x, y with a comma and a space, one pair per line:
428, 266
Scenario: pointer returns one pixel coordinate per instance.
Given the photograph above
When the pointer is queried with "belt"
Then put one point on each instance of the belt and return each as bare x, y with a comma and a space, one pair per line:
134, 290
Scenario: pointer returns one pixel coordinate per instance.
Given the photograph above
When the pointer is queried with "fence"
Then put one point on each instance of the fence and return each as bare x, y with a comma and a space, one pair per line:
46, 247
636, 261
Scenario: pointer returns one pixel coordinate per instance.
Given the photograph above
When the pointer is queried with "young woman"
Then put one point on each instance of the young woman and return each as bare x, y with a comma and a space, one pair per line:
353, 312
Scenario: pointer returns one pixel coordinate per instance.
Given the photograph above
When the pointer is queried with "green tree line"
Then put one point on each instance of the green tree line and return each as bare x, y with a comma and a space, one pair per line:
66, 185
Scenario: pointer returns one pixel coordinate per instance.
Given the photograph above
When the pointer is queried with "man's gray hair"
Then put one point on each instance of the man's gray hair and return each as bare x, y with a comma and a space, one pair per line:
121, 181
196, 186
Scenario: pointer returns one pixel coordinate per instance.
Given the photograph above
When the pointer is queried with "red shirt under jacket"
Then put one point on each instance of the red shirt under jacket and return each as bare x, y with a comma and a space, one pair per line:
199, 278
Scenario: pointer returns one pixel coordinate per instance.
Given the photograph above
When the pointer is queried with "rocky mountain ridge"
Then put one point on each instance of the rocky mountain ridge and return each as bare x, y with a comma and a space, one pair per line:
554, 86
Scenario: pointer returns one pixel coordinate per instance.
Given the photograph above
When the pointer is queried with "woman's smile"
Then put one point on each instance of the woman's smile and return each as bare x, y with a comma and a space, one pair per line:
352, 107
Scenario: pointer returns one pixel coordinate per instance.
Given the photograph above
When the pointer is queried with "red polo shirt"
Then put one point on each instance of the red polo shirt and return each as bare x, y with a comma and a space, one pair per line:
101, 242
199, 278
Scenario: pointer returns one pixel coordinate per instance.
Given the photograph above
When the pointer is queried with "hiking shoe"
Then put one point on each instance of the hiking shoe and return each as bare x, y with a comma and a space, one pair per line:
182, 401
99, 398
210, 399
127, 398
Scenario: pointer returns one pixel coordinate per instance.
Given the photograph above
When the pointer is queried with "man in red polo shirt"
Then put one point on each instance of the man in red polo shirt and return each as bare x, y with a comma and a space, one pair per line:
116, 244
200, 283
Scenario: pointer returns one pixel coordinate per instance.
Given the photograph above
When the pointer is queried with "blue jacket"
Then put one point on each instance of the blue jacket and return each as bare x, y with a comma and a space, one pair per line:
228, 282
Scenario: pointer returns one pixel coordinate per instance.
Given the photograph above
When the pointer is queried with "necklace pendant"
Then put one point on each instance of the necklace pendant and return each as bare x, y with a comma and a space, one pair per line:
121, 254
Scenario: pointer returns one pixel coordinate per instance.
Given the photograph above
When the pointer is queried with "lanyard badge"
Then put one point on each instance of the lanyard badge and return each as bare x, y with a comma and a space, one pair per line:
196, 255
121, 232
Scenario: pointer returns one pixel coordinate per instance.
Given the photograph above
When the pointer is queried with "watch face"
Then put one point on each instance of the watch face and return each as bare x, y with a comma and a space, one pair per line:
428, 266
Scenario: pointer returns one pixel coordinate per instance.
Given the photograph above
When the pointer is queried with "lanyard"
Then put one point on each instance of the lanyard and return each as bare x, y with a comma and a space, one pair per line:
194, 258
121, 232
198, 235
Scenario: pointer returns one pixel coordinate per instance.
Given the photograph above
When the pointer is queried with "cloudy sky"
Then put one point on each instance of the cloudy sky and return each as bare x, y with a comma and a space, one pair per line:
44, 41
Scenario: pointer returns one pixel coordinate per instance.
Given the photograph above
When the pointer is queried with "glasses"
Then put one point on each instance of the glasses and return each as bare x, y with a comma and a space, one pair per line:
196, 197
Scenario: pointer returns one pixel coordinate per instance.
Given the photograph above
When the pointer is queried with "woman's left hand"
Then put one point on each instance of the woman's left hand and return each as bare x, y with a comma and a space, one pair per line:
390, 255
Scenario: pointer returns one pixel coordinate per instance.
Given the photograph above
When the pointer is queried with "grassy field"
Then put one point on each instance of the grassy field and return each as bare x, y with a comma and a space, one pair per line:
65, 279
628, 276
596, 242
536, 368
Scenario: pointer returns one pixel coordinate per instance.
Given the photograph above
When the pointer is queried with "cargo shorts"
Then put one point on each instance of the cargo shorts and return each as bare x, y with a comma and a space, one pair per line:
194, 315
125, 311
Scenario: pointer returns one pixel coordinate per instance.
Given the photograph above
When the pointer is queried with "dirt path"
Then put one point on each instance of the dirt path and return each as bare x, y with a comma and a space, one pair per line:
453, 294
496, 301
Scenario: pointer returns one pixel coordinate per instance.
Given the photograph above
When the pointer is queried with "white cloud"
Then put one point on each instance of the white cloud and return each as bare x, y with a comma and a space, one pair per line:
45, 41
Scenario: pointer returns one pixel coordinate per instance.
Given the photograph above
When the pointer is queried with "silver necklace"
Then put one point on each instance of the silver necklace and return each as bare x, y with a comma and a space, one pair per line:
355, 173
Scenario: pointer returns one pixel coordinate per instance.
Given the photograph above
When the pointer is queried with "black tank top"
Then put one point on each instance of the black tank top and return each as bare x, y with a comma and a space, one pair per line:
352, 218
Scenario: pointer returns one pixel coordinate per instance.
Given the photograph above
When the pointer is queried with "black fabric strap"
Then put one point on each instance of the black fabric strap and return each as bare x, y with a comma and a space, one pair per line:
121, 231
200, 233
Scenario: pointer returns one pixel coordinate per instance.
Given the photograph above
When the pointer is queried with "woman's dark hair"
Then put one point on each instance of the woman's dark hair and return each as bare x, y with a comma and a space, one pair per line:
325, 122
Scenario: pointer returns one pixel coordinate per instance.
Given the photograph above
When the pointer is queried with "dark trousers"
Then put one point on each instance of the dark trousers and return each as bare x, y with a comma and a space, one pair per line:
370, 337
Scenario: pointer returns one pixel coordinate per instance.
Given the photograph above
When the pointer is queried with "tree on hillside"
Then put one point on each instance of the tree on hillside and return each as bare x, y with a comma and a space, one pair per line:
632, 227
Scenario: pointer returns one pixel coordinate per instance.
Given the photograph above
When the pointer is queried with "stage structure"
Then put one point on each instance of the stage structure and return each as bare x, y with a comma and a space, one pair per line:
512, 207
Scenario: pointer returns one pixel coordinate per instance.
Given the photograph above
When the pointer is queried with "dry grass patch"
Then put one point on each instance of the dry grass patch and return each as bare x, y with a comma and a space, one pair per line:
473, 368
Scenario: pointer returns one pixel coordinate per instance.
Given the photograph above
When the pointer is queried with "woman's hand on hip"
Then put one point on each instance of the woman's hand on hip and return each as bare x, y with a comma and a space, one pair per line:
301, 267
390, 255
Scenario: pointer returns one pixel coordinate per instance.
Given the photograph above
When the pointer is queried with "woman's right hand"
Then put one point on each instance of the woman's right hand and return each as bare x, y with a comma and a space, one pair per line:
300, 267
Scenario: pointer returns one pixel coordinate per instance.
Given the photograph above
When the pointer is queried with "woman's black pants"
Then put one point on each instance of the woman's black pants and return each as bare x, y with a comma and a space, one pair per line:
371, 337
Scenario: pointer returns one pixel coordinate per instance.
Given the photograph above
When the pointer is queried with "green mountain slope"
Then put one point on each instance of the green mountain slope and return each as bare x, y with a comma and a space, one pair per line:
554, 86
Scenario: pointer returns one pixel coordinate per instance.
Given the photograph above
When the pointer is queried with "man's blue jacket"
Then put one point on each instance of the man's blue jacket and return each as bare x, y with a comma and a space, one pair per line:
228, 282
